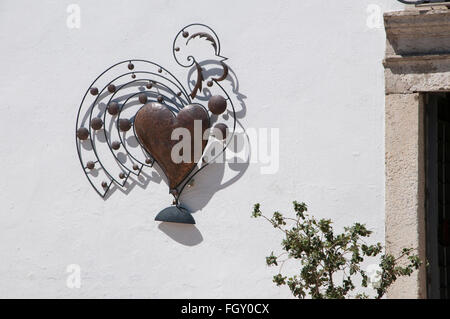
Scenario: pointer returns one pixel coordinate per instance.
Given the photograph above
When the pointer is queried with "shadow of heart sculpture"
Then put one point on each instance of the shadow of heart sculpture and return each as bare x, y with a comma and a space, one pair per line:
136, 114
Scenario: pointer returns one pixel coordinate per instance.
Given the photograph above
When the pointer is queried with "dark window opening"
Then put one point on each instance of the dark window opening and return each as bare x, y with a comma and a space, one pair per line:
438, 194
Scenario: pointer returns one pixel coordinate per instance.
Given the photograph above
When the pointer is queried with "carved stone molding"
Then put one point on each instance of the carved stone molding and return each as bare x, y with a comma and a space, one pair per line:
418, 32
417, 51
417, 60
410, 74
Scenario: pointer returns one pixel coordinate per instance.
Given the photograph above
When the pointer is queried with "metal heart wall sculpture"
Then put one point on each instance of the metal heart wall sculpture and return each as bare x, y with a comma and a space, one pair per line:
128, 115
154, 124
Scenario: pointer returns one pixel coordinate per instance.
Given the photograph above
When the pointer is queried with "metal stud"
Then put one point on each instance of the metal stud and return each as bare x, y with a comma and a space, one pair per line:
115, 145
209, 83
83, 133
130, 66
185, 34
113, 108
104, 184
124, 125
148, 161
177, 49
159, 70
143, 98
122, 175
111, 88
135, 167
94, 91
160, 98
217, 104
149, 85
96, 123
90, 165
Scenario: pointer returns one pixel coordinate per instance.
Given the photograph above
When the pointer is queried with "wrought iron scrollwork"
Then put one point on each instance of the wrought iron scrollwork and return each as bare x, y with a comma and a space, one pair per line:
105, 119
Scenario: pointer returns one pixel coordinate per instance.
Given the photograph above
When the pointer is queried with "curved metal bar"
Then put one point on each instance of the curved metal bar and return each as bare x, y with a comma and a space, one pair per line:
106, 137
216, 44
124, 103
412, 1
224, 74
191, 57
78, 142
199, 82
189, 178
120, 136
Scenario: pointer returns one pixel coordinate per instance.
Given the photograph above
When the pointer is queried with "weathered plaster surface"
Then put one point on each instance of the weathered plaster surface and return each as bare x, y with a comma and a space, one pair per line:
405, 180
410, 74
310, 68
417, 60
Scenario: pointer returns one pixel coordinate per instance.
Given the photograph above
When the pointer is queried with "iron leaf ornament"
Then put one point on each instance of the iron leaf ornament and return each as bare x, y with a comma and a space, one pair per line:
127, 117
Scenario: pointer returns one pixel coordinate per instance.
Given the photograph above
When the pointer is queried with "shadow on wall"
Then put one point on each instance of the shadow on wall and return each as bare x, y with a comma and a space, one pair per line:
184, 234
114, 159
130, 152
211, 179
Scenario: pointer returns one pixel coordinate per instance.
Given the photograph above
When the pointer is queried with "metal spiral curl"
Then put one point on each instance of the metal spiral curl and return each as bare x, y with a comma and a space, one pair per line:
123, 83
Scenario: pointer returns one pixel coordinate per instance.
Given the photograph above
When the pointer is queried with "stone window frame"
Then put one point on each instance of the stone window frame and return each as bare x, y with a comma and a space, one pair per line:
417, 62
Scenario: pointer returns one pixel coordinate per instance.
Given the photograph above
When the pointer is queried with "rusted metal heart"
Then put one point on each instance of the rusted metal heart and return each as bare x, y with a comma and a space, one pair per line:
154, 124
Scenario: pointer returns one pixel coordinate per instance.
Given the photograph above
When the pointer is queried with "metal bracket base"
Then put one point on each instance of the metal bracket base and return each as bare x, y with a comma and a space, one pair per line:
174, 214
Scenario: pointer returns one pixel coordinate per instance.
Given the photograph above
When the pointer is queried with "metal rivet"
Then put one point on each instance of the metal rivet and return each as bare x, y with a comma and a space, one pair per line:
133, 76
185, 34
124, 125
111, 88
113, 108
148, 161
143, 98
209, 83
217, 104
160, 98
82, 133
179, 93
130, 66
159, 70
96, 123
90, 165
122, 175
94, 91
177, 49
104, 184
135, 167
115, 145
149, 85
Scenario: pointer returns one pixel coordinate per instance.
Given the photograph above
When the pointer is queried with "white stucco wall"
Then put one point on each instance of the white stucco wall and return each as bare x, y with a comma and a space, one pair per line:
310, 68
